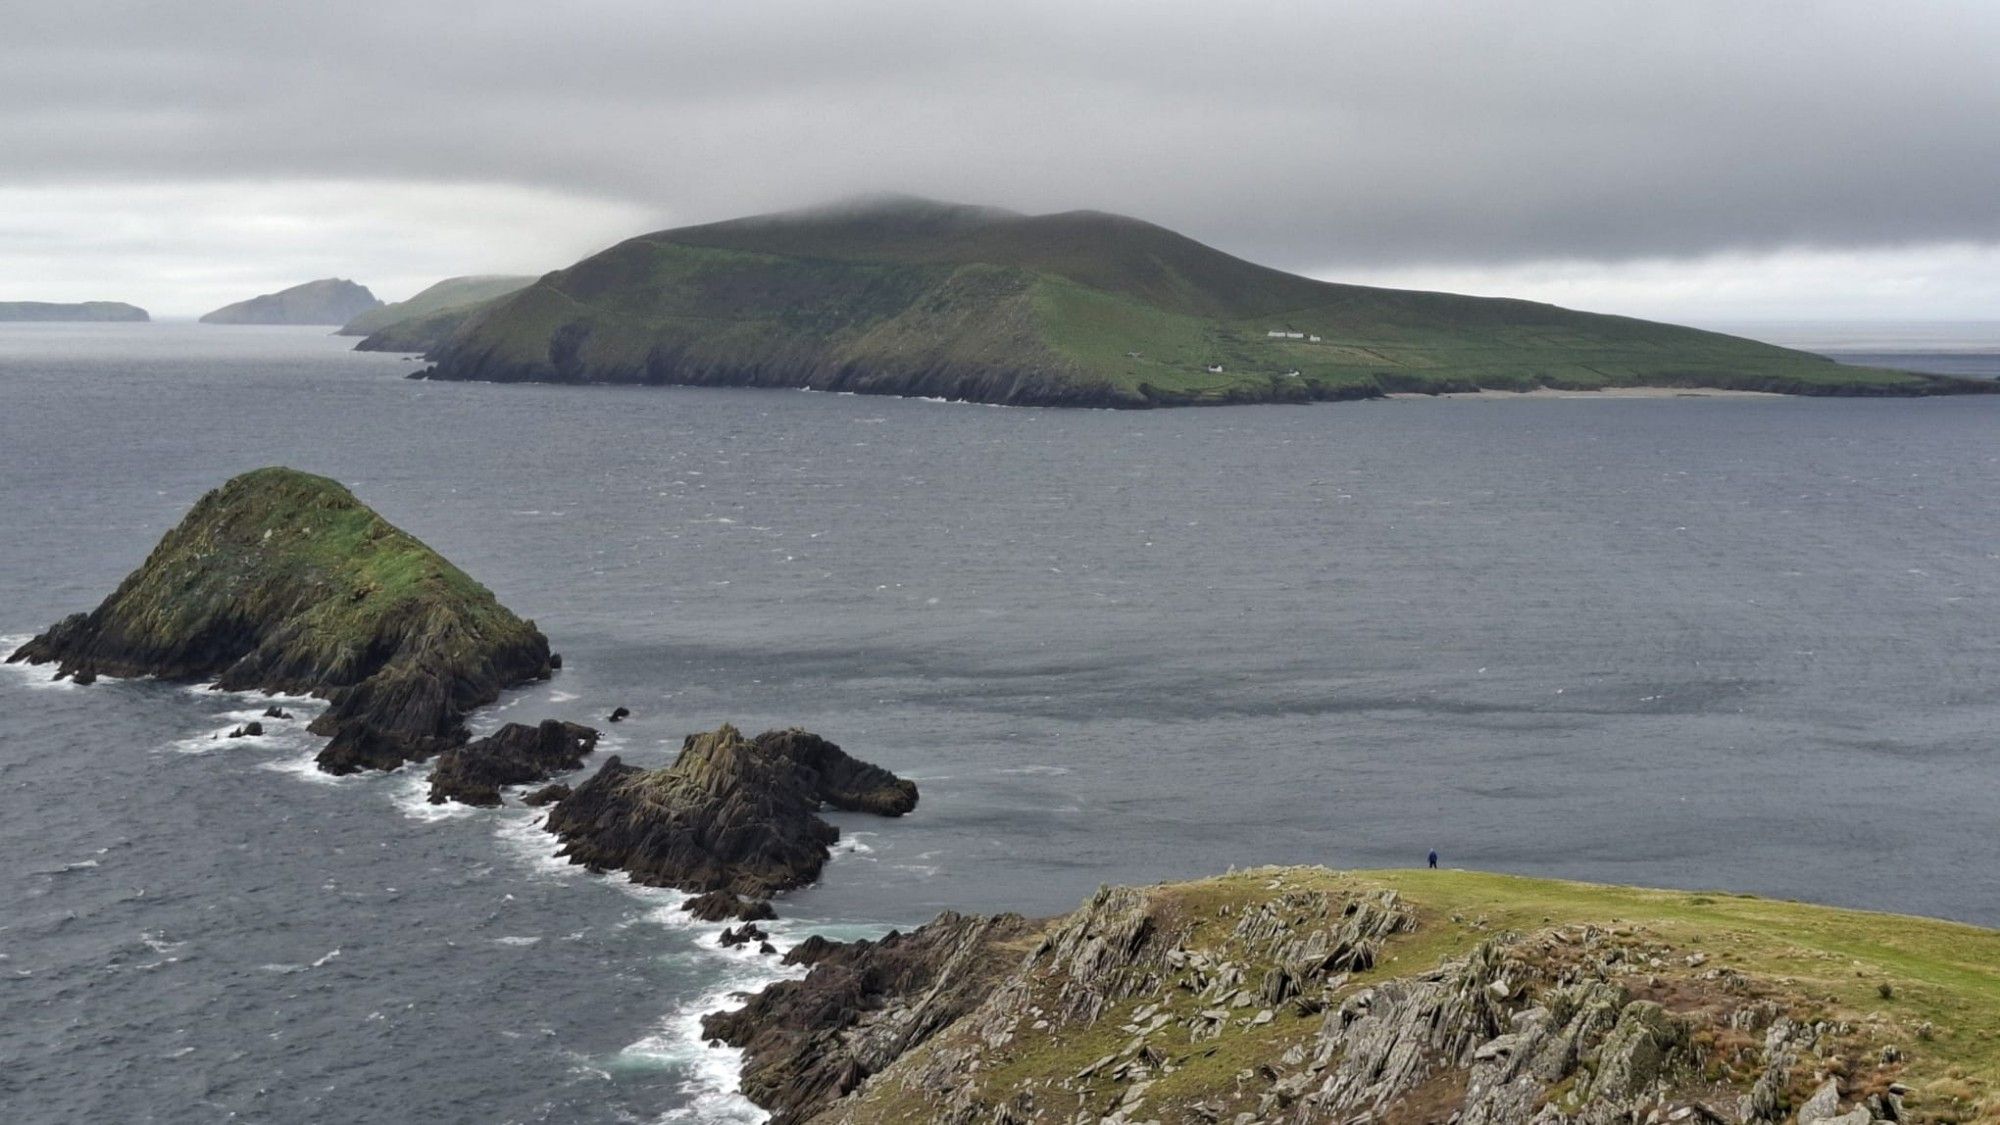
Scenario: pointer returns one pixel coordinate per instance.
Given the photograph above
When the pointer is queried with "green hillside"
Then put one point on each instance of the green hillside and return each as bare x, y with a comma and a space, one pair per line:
451, 294
1076, 309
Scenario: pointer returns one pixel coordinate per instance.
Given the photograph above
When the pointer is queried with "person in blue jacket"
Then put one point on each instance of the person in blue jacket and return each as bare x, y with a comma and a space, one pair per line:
1434, 858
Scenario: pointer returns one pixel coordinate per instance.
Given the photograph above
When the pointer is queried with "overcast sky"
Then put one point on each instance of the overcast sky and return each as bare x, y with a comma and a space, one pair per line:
1685, 159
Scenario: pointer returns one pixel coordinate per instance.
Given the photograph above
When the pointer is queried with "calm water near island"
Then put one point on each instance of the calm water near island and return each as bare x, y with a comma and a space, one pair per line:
1741, 644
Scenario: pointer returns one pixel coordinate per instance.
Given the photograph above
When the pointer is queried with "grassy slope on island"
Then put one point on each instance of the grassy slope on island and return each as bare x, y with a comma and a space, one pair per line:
283, 581
453, 294
331, 300
1878, 999
1082, 308
20, 311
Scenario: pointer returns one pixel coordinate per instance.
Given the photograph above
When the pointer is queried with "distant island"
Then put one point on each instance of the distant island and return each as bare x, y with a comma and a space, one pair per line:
912, 297
329, 301
24, 311
390, 326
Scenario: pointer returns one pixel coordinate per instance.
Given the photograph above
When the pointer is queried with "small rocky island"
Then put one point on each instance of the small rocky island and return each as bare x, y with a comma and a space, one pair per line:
1296, 996
733, 818
82, 311
516, 754
331, 300
282, 581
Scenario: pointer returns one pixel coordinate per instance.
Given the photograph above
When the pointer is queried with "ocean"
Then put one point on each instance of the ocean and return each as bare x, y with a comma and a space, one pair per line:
1742, 644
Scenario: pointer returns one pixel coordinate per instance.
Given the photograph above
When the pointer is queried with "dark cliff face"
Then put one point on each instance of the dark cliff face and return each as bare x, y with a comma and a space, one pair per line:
797, 1059
283, 581
730, 814
332, 301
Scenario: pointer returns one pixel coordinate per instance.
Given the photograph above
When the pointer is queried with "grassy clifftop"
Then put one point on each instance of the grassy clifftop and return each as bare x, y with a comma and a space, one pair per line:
452, 295
283, 581
1083, 308
1302, 995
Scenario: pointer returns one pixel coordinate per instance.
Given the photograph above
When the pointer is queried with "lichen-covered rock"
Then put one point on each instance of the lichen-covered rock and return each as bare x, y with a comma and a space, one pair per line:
1638, 1052
516, 754
730, 814
283, 581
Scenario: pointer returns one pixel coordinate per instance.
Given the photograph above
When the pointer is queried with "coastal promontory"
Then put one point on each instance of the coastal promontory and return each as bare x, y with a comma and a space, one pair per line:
1298, 996
283, 581
730, 813
328, 301
84, 311
417, 323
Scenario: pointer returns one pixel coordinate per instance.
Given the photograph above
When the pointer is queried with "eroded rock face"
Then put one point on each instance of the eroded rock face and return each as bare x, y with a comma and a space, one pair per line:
283, 581
864, 1005
516, 754
1283, 1006
730, 814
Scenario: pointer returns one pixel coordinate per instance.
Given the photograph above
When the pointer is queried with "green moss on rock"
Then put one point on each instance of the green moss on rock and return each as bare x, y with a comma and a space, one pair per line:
283, 581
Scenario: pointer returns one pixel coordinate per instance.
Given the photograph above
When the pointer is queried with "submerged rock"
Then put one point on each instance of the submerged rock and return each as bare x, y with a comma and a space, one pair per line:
546, 795
516, 754
618, 714
283, 581
248, 730
721, 906
730, 814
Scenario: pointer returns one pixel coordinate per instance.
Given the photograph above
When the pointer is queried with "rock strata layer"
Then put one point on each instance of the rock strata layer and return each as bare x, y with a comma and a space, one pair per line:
282, 581
730, 814
1291, 997
516, 754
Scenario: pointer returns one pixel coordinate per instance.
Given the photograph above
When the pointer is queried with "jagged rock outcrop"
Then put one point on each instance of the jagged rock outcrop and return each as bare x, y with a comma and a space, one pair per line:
516, 754
282, 581
864, 1005
1275, 997
546, 795
730, 814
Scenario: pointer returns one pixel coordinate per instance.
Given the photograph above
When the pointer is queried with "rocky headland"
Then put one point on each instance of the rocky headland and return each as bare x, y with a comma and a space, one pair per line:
424, 320
1301, 995
282, 581
730, 814
86, 311
516, 754
332, 300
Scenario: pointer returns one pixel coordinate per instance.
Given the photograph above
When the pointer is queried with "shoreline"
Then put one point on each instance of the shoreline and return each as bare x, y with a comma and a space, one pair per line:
1607, 392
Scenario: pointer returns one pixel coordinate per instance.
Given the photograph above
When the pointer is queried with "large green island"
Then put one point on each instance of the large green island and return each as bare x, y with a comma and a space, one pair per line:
909, 297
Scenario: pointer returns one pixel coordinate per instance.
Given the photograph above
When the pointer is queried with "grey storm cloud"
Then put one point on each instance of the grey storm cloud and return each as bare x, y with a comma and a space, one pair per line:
1299, 134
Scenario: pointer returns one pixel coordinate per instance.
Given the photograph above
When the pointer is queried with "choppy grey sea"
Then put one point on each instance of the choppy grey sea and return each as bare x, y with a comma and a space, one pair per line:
1740, 644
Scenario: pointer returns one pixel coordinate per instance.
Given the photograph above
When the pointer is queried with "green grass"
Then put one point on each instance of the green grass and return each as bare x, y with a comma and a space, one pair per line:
924, 298
1823, 963
453, 294
282, 580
